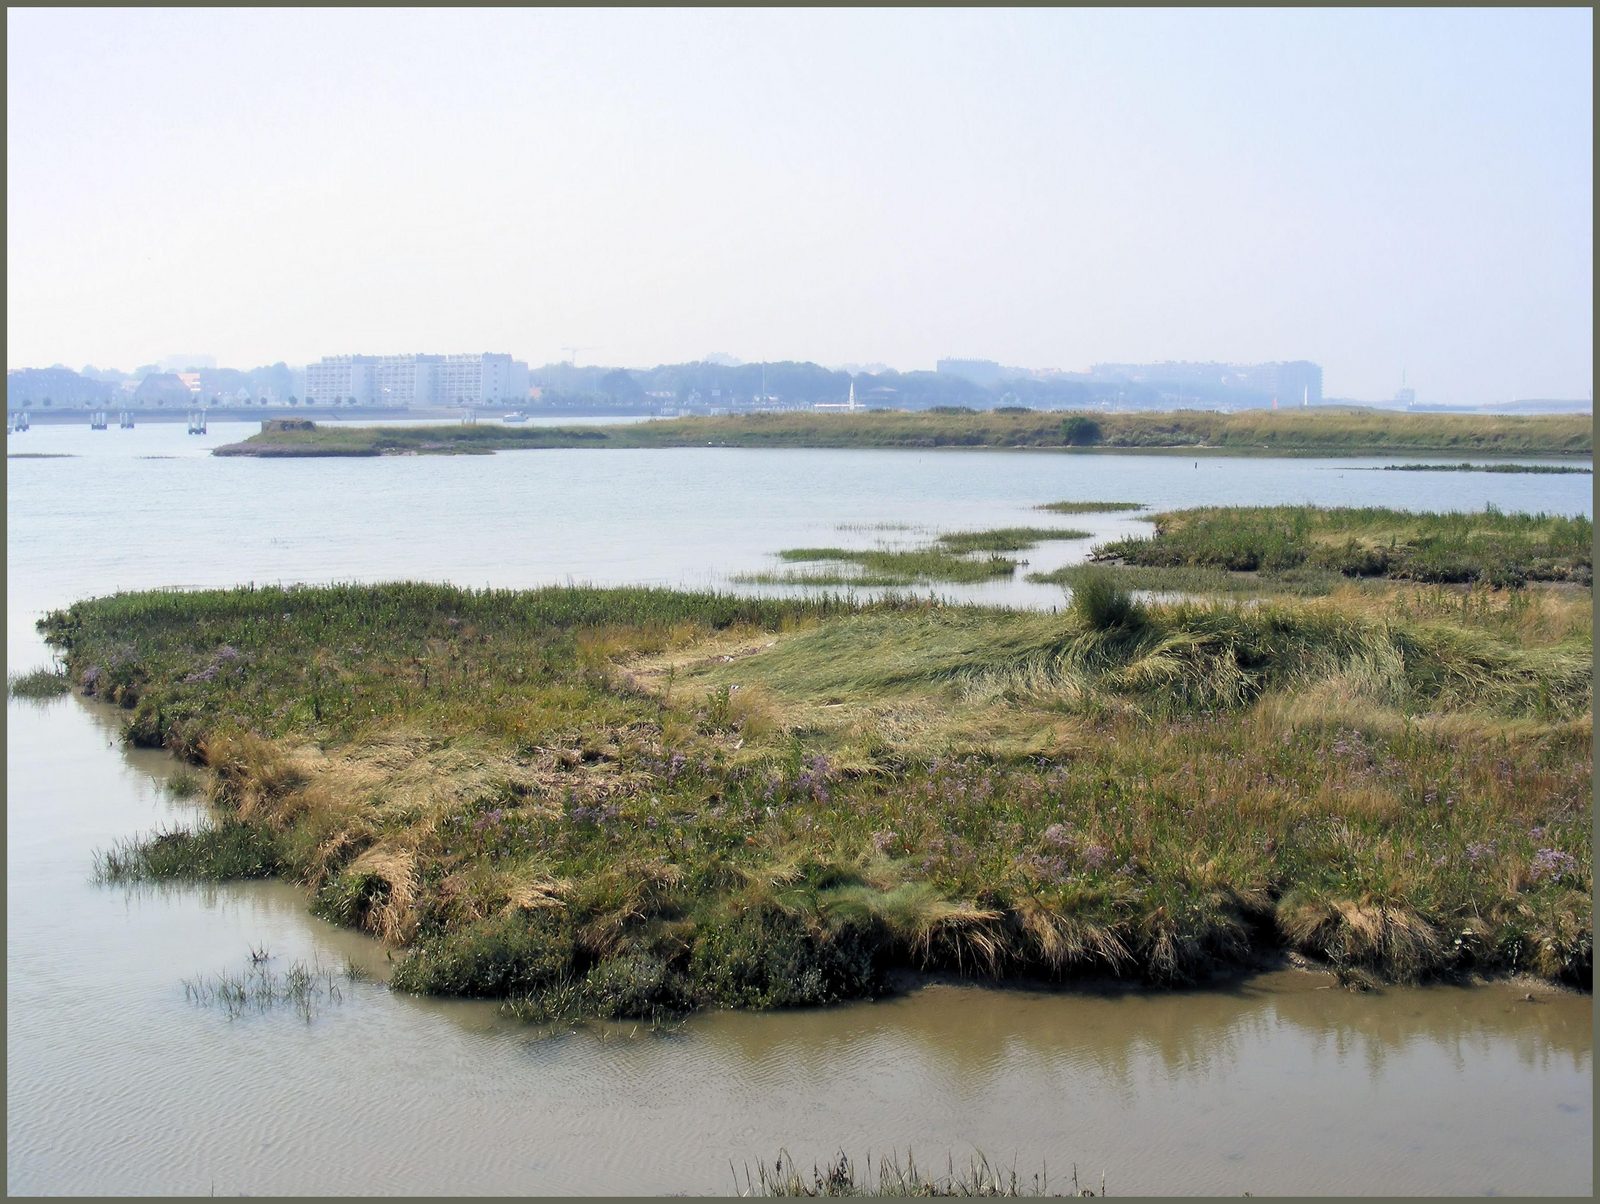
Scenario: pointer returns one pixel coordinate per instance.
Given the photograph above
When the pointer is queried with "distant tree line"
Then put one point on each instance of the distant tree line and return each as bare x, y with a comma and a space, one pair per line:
61, 386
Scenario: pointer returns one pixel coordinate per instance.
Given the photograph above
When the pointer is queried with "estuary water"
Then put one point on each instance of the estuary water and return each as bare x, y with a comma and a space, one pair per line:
116, 1082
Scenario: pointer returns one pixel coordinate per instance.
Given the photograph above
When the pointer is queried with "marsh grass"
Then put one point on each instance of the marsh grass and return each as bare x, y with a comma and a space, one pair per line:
1452, 547
1327, 430
888, 566
1006, 539
1088, 507
632, 803
958, 557
39, 683
893, 1177
185, 782
1202, 581
1468, 467
258, 989
221, 852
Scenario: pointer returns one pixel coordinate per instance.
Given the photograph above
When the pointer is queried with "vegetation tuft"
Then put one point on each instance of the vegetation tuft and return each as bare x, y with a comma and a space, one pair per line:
39, 683
223, 852
306, 988
1103, 605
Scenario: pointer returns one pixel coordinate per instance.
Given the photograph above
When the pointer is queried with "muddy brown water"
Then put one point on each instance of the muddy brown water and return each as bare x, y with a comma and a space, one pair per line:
116, 1083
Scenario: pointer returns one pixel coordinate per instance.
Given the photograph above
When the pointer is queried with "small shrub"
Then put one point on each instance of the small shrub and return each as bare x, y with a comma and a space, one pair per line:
1078, 431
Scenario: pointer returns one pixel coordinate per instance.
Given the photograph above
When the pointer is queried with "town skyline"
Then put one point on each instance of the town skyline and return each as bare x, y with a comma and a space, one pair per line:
1383, 192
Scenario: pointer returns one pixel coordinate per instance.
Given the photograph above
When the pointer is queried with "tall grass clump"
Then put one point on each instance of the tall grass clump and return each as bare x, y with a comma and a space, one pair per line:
39, 683
222, 852
1099, 599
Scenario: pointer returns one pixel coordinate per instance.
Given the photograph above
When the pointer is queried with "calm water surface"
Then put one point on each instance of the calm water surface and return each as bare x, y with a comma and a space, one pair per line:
116, 1083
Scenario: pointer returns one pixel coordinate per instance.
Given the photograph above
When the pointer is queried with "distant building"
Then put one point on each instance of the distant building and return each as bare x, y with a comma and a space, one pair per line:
985, 373
418, 380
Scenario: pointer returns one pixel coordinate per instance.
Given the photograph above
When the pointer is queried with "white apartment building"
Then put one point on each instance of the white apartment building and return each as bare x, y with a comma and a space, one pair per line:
418, 380
481, 379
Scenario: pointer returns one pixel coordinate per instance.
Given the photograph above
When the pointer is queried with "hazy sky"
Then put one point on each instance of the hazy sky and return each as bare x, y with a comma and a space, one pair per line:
1372, 190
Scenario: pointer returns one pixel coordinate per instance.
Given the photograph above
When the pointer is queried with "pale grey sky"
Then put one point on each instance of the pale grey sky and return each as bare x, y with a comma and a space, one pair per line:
1373, 190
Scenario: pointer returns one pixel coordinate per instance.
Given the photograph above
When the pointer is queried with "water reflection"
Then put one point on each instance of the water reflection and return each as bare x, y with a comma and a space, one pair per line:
967, 1032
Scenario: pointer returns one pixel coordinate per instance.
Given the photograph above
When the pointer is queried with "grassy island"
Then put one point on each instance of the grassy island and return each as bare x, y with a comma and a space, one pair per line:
1324, 431
634, 802
956, 556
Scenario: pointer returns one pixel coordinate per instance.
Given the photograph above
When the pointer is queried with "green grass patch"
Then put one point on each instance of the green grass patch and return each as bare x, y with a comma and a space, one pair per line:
1467, 467
954, 557
39, 683
895, 567
1457, 546
1089, 507
223, 852
1005, 539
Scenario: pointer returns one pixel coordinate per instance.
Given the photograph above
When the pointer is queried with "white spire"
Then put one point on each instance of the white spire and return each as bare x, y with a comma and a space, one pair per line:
852, 395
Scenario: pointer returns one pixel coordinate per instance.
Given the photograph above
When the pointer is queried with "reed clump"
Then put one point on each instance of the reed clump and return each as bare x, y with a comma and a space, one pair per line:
892, 1176
221, 852
306, 987
39, 683
632, 803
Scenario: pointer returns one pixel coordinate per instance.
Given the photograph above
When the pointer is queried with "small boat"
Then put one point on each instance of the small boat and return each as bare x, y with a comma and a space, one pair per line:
515, 416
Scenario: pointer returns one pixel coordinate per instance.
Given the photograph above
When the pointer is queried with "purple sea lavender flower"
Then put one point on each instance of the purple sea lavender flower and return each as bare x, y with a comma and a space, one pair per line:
1096, 855
1552, 863
1059, 835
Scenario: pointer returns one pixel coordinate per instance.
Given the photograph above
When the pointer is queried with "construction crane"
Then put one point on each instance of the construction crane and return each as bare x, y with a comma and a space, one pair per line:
572, 352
